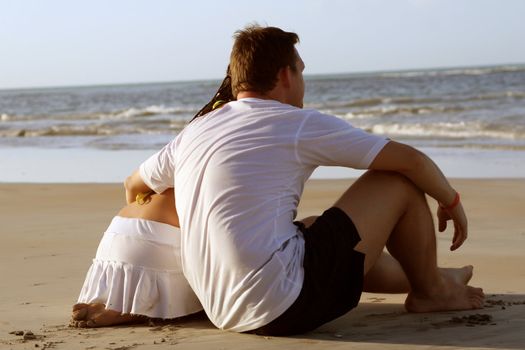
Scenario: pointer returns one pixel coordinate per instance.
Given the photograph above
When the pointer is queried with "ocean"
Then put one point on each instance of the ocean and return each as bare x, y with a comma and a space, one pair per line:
452, 113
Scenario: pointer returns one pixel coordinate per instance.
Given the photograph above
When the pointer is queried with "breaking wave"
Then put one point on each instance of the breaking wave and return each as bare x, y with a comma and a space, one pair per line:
459, 130
128, 113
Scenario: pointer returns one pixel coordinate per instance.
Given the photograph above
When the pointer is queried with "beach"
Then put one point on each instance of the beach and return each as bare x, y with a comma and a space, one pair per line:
259, 119
64, 153
50, 233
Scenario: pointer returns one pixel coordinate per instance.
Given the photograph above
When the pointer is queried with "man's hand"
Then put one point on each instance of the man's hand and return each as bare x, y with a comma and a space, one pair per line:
457, 215
426, 175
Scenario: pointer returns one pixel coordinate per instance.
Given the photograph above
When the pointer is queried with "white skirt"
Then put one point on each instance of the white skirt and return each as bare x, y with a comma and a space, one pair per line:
138, 270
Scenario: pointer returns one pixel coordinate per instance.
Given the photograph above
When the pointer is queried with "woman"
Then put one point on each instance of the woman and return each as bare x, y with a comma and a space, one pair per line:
137, 272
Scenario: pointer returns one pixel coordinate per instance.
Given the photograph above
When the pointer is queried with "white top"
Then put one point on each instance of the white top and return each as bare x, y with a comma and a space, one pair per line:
238, 174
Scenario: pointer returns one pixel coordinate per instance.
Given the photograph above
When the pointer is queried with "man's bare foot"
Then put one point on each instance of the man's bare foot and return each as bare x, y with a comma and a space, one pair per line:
450, 295
461, 275
96, 315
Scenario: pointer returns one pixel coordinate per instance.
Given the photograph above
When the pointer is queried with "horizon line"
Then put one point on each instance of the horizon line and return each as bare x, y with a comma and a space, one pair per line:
307, 76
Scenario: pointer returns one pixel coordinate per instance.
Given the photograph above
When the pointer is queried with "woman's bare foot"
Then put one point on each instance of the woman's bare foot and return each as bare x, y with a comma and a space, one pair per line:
461, 275
451, 295
96, 315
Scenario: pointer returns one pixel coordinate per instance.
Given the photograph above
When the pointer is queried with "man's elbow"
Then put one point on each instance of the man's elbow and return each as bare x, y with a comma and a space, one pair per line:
416, 162
400, 158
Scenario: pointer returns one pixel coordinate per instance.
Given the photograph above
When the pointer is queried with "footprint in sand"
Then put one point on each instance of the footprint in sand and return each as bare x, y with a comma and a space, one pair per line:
376, 300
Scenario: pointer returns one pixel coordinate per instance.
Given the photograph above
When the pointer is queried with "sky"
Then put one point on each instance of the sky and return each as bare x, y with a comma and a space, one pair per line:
68, 43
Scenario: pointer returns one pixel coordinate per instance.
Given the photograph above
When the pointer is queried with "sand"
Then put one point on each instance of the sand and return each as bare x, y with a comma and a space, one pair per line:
49, 234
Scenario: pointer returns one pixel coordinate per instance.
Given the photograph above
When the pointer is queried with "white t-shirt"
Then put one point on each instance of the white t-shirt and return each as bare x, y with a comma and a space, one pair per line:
238, 174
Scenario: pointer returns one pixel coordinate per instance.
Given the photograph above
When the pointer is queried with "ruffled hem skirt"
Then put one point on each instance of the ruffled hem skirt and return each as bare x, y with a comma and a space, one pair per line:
138, 270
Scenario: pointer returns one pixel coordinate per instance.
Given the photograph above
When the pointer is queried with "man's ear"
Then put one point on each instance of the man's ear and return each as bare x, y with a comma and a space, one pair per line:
284, 76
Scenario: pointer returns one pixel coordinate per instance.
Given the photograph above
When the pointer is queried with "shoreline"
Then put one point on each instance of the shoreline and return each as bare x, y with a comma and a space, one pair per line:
50, 233
81, 165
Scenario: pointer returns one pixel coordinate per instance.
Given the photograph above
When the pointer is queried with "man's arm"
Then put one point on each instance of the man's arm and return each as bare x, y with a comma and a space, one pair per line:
134, 185
425, 174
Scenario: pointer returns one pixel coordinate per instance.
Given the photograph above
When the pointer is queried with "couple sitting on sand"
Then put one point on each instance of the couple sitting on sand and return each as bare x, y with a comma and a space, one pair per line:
232, 181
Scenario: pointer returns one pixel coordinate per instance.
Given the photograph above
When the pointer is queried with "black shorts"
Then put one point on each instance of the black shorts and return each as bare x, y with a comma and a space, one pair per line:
333, 276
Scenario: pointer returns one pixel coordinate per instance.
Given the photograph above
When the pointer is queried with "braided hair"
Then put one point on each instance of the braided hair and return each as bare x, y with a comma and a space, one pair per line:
222, 96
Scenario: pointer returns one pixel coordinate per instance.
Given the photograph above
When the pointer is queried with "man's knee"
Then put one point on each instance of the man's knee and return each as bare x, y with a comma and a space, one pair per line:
309, 220
391, 177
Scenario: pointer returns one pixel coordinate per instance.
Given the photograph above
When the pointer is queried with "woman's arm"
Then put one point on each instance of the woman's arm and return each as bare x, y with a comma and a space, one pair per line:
134, 185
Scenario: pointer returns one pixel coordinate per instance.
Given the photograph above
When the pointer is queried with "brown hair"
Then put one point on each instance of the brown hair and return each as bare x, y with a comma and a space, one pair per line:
257, 56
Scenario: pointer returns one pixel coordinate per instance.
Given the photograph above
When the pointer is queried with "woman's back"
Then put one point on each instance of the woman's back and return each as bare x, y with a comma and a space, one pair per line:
157, 207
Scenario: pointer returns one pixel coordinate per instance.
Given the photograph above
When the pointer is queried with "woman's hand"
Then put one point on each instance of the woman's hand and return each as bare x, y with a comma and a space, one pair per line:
134, 185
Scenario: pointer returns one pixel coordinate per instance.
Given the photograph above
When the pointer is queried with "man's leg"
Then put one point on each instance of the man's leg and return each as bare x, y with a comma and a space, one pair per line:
388, 209
387, 275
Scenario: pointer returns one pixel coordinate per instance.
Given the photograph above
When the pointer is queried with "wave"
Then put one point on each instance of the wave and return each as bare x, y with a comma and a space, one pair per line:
459, 130
372, 102
162, 127
517, 95
408, 100
125, 114
425, 130
387, 111
148, 111
58, 131
453, 71
413, 130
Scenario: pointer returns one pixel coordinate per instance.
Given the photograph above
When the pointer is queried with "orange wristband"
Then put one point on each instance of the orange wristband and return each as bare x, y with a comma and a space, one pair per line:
454, 203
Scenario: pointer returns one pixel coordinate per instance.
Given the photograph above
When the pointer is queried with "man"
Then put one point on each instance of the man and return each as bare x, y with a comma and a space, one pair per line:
238, 174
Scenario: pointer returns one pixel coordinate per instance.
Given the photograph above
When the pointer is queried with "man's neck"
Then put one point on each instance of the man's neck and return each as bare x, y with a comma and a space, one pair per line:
253, 94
